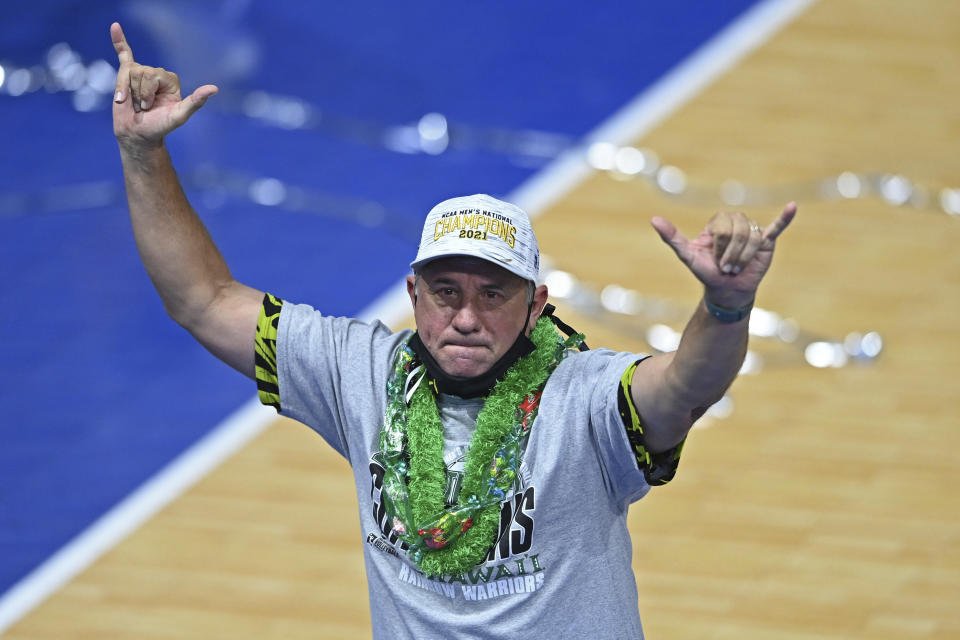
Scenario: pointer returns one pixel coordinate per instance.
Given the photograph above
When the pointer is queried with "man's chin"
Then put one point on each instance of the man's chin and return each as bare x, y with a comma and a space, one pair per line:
464, 367
465, 372
464, 362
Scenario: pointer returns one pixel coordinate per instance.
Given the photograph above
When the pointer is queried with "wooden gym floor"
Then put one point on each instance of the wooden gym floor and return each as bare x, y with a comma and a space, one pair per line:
824, 507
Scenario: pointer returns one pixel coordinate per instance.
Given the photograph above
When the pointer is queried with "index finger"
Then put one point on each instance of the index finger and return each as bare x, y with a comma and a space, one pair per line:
782, 222
120, 43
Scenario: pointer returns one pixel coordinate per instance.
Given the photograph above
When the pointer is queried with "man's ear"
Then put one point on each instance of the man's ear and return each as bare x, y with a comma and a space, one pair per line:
540, 295
412, 290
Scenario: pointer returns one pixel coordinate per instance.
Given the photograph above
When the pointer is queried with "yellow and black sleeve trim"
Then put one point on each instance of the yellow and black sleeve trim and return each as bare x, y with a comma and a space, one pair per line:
657, 468
265, 348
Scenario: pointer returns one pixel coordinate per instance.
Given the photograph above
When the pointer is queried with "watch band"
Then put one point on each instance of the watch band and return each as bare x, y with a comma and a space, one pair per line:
726, 314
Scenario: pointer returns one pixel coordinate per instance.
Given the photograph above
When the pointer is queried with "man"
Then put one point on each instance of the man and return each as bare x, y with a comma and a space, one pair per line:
494, 463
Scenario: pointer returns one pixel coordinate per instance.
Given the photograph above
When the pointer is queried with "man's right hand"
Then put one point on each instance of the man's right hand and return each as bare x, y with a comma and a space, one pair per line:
147, 104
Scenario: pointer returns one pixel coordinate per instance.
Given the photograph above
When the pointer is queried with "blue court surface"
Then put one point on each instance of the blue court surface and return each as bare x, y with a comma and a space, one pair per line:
312, 168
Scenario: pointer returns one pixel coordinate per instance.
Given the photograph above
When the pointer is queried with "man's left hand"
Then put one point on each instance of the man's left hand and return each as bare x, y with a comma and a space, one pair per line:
730, 256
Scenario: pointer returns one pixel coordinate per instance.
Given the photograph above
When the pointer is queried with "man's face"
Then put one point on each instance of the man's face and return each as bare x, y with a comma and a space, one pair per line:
469, 312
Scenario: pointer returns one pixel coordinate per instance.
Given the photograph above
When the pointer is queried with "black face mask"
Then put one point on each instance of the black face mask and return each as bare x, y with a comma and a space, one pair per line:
477, 386
481, 385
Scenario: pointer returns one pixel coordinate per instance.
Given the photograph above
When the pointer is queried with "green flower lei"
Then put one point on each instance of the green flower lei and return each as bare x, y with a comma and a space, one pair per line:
444, 540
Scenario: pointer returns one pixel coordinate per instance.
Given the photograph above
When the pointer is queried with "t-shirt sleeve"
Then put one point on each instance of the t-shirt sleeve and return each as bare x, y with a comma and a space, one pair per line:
617, 427
658, 468
323, 371
265, 351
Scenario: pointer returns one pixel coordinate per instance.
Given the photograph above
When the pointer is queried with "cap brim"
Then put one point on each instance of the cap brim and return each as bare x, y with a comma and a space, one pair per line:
418, 264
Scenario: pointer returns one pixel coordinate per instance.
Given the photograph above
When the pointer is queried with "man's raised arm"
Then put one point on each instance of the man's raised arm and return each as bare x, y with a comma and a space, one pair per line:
184, 264
730, 257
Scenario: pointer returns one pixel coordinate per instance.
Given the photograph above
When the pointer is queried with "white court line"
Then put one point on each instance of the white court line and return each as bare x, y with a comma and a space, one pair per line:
707, 63
711, 60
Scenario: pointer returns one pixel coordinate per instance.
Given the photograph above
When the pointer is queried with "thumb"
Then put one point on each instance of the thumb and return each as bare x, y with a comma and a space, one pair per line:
671, 235
192, 103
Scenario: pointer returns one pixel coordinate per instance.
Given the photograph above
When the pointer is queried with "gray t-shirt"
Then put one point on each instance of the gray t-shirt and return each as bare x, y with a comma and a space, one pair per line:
561, 564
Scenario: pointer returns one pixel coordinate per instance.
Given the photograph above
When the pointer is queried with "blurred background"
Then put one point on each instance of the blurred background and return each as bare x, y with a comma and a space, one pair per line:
817, 500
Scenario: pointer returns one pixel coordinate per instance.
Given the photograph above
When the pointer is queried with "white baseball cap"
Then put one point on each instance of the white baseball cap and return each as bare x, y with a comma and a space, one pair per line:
481, 226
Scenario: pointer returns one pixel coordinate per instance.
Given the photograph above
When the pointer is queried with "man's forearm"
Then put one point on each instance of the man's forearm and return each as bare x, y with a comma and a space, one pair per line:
673, 390
177, 251
707, 360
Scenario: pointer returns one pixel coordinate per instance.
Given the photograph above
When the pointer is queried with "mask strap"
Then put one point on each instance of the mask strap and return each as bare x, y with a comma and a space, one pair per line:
563, 326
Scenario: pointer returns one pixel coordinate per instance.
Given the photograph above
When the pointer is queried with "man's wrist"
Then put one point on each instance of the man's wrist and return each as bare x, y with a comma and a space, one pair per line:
727, 314
141, 155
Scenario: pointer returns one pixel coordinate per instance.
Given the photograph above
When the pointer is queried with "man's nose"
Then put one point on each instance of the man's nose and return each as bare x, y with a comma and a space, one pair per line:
466, 319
